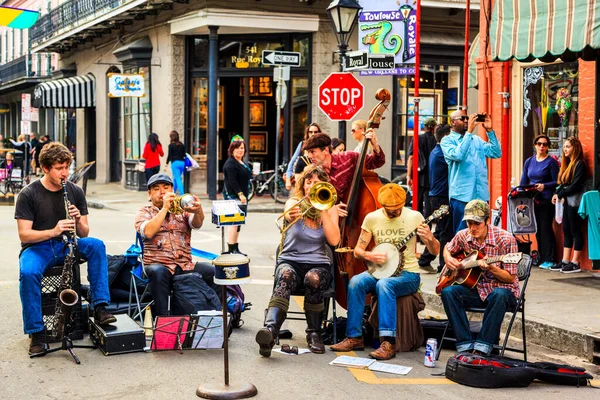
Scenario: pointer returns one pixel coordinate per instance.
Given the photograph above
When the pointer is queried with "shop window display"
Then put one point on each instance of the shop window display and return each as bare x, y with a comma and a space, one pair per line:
137, 117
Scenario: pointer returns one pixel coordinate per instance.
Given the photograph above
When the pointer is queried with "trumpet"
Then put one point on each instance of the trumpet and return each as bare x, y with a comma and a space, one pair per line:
321, 196
178, 204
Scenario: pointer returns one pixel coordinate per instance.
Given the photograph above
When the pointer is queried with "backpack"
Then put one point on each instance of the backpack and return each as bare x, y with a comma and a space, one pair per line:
192, 294
236, 305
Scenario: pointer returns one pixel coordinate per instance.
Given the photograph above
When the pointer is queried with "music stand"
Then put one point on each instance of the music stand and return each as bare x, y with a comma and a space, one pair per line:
226, 213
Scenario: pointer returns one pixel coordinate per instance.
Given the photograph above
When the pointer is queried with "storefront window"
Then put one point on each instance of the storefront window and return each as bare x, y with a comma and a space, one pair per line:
550, 103
66, 132
439, 91
198, 114
244, 53
299, 111
137, 117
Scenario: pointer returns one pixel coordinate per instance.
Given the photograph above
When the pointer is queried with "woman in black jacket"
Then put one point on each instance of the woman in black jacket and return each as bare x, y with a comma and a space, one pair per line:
177, 159
237, 175
571, 178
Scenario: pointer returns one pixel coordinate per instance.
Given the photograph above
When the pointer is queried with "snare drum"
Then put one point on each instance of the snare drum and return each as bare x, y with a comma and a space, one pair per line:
232, 269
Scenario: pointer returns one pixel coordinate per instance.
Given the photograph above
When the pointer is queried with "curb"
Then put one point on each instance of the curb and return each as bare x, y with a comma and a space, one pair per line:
580, 344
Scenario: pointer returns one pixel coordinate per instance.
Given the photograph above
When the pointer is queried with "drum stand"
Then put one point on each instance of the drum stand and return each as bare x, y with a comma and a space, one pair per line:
225, 390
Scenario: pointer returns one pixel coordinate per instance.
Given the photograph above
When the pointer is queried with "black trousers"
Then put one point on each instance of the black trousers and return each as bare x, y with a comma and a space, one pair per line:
443, 231
544, 215
572, 224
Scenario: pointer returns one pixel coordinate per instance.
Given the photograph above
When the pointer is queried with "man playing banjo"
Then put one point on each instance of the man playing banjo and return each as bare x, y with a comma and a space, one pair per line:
388, 224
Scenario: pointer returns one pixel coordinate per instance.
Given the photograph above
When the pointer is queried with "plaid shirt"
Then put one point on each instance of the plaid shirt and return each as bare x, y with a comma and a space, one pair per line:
343, 166
171, 246
497, 242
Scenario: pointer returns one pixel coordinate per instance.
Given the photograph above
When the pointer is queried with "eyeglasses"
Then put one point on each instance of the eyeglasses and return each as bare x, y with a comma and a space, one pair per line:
463, 118
543, 144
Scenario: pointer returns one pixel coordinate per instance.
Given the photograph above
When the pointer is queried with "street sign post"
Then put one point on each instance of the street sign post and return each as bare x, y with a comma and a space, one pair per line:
274, 57
341, 96
280, 75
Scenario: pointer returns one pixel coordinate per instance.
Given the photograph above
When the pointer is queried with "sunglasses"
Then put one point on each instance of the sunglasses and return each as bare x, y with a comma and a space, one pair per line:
290, 350
463, 118
543, 144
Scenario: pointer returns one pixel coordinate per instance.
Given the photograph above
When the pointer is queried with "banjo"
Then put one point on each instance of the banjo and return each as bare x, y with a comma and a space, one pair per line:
394, 252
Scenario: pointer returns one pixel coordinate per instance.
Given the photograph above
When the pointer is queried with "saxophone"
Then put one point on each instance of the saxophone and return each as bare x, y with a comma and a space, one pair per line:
67, 297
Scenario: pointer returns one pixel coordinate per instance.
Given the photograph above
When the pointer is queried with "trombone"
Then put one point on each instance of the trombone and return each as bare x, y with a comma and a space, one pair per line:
321, 196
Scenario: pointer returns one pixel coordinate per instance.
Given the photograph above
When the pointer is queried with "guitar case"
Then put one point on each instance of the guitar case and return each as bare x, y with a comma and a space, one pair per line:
496, 372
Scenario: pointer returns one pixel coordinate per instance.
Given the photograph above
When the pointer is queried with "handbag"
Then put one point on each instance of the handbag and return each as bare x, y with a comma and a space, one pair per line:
558, 211
140, 166
190, 163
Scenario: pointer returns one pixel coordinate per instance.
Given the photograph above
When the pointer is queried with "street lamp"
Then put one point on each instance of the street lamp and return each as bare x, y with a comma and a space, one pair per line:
343, 15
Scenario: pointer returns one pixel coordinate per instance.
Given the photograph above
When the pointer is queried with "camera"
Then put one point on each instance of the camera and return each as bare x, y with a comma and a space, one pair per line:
480, 118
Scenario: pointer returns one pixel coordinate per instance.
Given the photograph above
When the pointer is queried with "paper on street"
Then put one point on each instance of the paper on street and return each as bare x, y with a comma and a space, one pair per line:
352, 362
389, 368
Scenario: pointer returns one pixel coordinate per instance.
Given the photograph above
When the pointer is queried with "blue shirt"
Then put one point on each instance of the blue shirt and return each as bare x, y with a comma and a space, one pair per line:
467, 169
438, 172
545, 171
590, 208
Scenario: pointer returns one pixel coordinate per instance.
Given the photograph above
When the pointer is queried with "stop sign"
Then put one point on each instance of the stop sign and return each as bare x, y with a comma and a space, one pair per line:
341, 96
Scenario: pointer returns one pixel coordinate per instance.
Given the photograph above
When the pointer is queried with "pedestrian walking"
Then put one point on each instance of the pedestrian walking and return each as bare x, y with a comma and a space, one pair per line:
541, 170
176, 157
152, 152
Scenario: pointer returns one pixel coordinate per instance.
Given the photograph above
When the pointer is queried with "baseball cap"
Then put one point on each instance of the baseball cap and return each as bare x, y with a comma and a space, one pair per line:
159, 178
391, 195
477, 210
430, 122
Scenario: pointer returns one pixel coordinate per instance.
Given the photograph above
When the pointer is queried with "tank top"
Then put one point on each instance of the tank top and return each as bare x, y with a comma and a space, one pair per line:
304, 245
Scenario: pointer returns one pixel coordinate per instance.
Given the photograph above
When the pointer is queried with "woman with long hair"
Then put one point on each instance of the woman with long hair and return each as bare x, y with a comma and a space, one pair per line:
571, 178
152, 152
236, 176
177, 159
541, 170
310, 130
303, 261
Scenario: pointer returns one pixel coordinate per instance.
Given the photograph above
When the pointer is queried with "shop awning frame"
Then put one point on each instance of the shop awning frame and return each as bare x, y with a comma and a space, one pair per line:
545, 30
74, 92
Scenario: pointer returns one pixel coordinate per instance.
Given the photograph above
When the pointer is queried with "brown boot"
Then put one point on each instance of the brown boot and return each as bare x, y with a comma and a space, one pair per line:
349, 344
266, 336
386, 351
38, 347
313, 333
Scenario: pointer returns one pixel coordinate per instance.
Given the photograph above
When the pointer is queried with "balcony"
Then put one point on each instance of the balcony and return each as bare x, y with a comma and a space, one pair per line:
75, 22
26, 71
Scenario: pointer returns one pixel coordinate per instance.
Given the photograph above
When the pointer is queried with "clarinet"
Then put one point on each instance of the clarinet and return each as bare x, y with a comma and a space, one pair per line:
67, 296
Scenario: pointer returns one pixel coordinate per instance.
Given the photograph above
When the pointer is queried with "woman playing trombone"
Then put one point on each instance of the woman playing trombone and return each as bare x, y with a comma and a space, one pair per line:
303, 259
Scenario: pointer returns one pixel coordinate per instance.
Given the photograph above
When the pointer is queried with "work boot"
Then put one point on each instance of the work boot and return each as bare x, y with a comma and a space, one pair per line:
386, 351
103, 317
266, 336
234, 249
37, 347
314, 319
349, 344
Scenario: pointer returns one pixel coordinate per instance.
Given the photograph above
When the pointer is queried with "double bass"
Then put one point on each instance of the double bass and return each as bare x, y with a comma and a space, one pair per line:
361, 200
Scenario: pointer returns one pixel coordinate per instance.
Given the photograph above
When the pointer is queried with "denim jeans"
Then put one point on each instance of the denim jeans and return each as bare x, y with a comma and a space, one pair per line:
177, 168
387, 290
457, 298
457, 208
35, 260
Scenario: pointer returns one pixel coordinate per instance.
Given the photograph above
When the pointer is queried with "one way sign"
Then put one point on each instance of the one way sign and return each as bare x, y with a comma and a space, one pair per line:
272, 57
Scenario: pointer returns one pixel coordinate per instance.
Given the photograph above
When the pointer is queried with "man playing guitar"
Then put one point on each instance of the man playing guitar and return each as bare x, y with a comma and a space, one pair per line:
388, 224
498, 287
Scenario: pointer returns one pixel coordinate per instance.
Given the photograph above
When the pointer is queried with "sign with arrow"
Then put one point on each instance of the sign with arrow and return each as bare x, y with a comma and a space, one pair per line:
273, 57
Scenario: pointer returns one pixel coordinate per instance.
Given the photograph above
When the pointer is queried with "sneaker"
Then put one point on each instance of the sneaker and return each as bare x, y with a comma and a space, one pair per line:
428, 269
37, 347
546, 265
571, 268
103, 317
596, 275
558, 267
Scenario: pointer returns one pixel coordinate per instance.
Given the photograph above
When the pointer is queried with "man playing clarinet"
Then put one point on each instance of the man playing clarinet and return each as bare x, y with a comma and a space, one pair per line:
41, 214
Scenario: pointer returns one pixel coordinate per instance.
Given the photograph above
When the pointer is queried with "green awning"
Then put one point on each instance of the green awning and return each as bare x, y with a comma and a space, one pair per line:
473, 54
545, 29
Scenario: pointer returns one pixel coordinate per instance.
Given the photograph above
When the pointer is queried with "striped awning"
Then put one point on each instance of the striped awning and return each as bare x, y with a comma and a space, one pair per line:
74, 92
473, 54
545, 29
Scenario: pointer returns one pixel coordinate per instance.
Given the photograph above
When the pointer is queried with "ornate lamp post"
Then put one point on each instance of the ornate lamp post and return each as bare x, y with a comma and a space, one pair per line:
343, 15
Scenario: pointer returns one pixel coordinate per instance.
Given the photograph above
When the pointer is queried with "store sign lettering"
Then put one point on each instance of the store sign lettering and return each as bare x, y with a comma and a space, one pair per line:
126, 85
248, 59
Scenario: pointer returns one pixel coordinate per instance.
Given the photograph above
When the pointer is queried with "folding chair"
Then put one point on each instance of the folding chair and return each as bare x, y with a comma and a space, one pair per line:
523, 273
138, 277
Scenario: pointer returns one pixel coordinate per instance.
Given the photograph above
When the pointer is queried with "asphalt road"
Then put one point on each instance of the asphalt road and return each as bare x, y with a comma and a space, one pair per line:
171, 375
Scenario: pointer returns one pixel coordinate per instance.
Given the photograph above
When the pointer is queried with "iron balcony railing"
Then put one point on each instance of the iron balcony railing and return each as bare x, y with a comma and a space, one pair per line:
70, 14
38, 65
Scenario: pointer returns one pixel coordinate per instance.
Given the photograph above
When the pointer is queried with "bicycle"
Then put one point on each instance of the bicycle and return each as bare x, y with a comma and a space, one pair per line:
265, 182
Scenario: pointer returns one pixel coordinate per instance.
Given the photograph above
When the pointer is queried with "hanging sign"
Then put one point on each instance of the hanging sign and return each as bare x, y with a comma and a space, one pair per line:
126, 85
389, 27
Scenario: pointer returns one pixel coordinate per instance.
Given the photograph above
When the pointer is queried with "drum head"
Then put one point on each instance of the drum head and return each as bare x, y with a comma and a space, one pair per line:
225, 260
232, 269
393, 261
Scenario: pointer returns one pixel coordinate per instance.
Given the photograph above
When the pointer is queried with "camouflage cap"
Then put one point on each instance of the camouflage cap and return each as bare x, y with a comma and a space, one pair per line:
431, 122
477, 210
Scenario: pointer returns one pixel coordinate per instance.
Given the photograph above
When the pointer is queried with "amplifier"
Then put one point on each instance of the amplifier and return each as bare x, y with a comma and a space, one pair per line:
123, 336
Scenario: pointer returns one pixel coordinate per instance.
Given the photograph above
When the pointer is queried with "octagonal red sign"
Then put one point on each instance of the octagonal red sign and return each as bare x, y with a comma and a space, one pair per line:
341, 96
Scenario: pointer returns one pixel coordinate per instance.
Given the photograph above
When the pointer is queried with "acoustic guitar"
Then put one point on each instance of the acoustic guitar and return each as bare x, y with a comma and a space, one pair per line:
470, 273
395, 252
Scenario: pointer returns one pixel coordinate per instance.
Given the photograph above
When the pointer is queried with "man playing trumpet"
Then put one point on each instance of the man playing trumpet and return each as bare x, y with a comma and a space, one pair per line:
303, 261
390, 224
167, 239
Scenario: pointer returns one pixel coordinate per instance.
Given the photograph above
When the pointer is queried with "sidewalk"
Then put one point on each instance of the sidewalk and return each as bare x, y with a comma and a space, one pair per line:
562, 311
